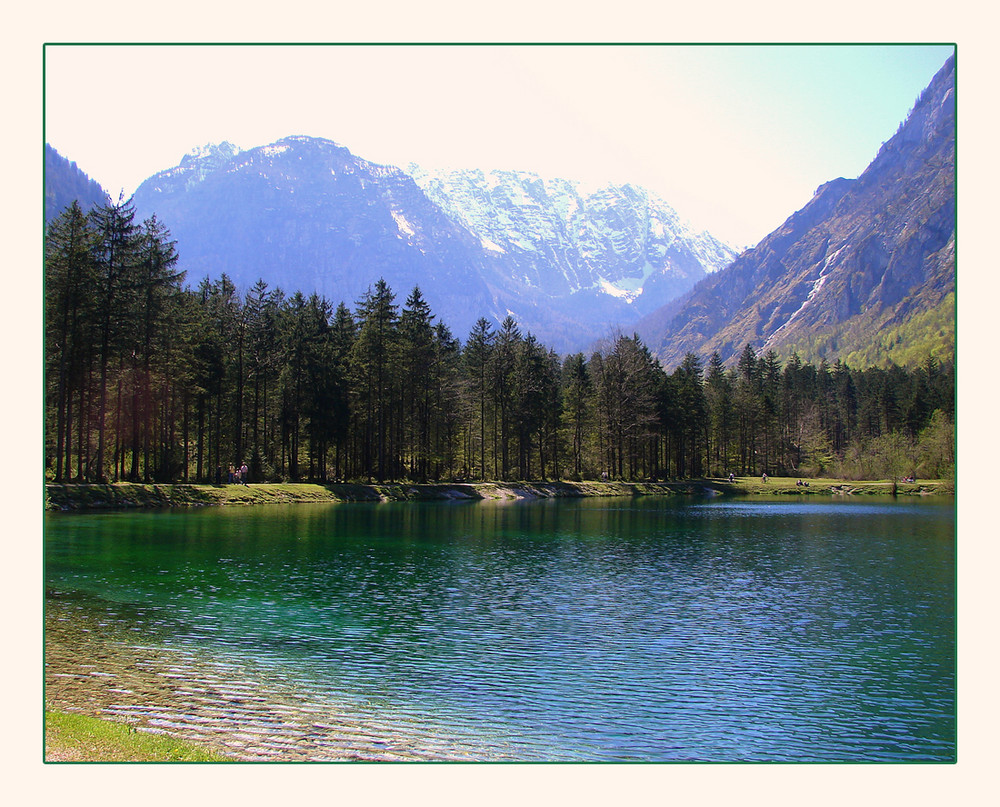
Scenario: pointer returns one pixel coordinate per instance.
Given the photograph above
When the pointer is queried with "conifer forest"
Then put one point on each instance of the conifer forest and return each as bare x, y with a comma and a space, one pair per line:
150, 380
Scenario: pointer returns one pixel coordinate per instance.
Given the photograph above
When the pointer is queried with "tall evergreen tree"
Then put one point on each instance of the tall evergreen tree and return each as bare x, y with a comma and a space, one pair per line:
262, 307
770, 379
477, 359
447, 387
343, 332
417, 359
576, 395
749, 408
719, 400
628, 381
503, 388
157, 283
115, 261
531, 393
70, 276
691, 425
374, 369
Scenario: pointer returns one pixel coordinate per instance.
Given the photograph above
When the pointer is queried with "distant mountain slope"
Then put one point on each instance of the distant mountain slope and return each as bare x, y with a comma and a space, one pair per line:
551, 237
305, 214
65, 182
865, 271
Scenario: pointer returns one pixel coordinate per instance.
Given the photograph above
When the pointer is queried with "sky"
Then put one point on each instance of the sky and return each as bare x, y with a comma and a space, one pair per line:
735, 138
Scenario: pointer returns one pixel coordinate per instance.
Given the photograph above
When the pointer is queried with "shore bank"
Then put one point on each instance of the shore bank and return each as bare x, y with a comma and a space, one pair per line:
127, 495
83, 738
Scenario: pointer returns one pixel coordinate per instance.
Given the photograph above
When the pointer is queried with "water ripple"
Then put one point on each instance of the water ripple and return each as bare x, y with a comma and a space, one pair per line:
721, 632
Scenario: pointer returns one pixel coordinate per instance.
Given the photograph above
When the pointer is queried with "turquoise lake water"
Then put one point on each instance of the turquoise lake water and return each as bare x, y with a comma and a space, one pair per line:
649, 629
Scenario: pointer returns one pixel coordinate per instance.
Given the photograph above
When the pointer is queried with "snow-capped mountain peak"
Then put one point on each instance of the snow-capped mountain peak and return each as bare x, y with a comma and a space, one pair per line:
568, 236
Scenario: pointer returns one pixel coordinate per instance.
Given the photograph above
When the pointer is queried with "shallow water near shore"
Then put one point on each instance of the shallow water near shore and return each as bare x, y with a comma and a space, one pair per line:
562, 630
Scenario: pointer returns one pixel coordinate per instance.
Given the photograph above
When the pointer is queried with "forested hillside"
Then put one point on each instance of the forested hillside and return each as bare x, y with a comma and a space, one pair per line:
150, 380
65, 182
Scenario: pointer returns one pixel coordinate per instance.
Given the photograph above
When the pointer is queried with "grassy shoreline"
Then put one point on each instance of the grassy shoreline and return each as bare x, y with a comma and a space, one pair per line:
71, 737
128, 495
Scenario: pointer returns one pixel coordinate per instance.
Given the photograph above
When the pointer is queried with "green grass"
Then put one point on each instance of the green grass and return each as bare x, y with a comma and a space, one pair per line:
80, 738
781, 485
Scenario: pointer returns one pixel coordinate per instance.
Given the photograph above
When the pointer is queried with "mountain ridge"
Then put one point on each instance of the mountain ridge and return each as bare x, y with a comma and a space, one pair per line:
305, 213
65, 183
575, 230
864, 271
863, 256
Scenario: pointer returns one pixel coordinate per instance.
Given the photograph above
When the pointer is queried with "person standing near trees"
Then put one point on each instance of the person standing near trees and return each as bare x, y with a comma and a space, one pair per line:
244, 473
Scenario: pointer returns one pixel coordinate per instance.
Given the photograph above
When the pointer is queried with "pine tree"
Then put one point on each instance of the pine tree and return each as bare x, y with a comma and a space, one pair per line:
628, 384
576, 394
70, 275
262, 309
503, 390
477, 359
325, 400
749, 406
115, 262
417, 355
531, 392
770, 375
157, 283
721, 411
343, 332
374, 369
691, 426
446, 383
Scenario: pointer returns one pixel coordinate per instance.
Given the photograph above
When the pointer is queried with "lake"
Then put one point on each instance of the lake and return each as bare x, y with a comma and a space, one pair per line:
799, 629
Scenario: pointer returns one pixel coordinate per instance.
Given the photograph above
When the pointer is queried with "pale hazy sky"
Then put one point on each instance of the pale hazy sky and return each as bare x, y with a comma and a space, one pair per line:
736, 138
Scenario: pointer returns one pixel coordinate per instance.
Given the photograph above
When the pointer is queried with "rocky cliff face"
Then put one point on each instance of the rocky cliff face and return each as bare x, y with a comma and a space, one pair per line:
306, 214
556, 237
861, 272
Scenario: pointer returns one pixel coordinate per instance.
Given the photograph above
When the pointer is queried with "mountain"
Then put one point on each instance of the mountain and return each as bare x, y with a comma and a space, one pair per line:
306, 214
65, 182
864, 272
610, 253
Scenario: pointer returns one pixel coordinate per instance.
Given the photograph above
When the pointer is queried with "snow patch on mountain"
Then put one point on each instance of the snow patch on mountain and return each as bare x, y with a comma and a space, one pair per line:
626, 288
195, 166
491, 247
815, 289
212, 151
274, 150
610, 288
402, 224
